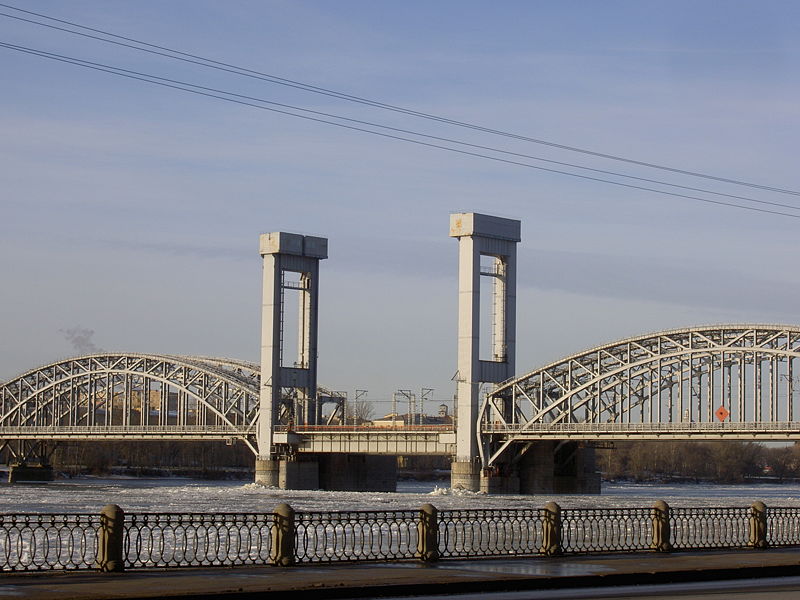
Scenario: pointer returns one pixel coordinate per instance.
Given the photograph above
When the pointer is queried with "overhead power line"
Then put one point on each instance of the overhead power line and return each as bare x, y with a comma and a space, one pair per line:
466, 144
219, 65
260, 104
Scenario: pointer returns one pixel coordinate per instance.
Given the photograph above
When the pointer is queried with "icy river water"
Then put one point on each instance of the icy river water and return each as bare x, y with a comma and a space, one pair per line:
189, 495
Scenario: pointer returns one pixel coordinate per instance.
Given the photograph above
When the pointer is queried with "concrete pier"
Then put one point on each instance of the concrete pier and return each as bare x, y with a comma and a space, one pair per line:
296, 473
266, 472
24, 472
465, 475
332, 472
357, 472
579, 474
536, 469
546, 468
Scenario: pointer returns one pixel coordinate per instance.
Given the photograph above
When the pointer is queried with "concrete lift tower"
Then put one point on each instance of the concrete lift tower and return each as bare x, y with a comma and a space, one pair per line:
289, 394
487, 247
288, 383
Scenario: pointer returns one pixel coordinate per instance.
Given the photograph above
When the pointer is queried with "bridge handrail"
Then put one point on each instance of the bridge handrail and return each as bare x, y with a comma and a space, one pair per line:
206, 427
36, 542
362, 428
637, 427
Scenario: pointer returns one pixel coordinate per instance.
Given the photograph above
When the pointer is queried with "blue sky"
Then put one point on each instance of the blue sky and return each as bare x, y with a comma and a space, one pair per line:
134, 211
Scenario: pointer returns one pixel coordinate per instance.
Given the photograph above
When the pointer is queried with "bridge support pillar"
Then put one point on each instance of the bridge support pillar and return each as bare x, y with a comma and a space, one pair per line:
558, 467
536, 468
298, 473
357, 472
577, 474
20, 473
588, 475
499, 483
465, 476
333, 472
267, 472
295, 473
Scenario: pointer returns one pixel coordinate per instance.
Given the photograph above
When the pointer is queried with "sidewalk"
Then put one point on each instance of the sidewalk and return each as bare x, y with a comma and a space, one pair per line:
370, 580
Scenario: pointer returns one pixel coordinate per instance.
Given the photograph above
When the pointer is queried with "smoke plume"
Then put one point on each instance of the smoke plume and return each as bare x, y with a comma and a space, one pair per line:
81, 340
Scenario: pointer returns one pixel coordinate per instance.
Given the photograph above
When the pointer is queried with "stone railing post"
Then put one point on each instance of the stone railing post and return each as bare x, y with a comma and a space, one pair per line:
283, 534
428, 533
551, 530
110, 540
662, 538
758, 525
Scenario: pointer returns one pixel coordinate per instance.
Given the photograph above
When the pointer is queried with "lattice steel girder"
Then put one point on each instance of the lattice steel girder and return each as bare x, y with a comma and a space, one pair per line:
110, 396
84, 389
668, 377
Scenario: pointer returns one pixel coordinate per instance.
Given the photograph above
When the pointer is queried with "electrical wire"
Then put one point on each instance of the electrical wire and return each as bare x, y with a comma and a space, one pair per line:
214, 64
249, 101
498, 150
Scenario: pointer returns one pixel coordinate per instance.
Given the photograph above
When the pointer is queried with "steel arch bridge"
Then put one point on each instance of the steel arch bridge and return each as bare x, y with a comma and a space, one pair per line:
150, 397
731, 381
138, 397
132, 396
724, 381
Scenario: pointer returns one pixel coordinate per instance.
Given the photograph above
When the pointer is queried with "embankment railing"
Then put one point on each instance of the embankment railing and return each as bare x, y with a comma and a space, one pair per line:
115, 541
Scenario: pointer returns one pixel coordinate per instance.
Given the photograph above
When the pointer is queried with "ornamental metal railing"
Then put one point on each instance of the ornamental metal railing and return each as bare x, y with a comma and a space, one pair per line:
42, 542
585, 530
355, 536
484, 533
709, 528
115, 541
783, 526
196, 539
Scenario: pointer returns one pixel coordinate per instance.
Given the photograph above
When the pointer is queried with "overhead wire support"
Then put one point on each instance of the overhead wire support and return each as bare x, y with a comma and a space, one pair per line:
223, 66
251, 101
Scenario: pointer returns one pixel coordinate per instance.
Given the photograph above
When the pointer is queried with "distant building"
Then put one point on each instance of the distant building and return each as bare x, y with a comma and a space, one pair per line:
404, 420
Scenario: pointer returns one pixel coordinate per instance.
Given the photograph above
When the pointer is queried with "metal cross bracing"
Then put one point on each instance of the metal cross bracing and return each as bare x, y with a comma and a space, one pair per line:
701, 383
148, 397
132, 396
726, 381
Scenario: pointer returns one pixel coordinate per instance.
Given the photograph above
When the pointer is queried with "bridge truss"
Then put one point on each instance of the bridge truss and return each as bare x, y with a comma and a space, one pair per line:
731, 381
151, 397
132, 396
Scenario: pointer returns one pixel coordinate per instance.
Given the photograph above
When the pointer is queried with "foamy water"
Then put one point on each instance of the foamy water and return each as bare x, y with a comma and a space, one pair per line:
188, 495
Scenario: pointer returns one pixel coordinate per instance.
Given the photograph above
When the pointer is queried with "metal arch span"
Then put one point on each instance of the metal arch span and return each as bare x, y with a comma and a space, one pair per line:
150, 396
132, 396
697, 383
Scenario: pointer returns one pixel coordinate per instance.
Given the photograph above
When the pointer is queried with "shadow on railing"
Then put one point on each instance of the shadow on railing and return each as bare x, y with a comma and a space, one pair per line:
115, 541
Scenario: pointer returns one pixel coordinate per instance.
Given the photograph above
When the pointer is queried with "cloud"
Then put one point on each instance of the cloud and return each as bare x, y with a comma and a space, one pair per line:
681, 282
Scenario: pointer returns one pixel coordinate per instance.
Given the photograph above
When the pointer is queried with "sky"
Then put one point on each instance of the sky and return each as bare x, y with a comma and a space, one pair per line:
131, 212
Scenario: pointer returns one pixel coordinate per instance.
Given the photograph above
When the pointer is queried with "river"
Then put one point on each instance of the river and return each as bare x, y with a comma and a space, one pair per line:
89, 495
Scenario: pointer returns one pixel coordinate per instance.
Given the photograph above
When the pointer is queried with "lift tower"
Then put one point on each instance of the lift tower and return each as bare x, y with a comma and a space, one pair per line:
487, 247
288, 383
